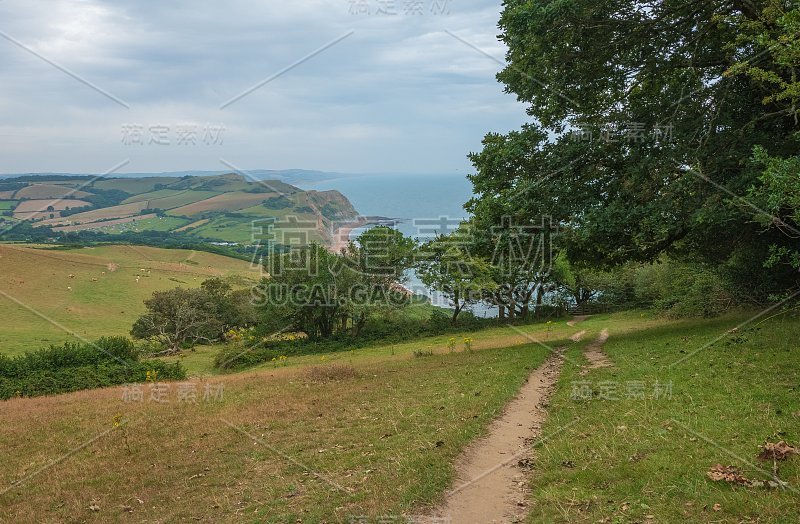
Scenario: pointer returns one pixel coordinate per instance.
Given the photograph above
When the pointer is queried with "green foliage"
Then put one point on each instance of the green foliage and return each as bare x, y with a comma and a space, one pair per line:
321, 293
446, 265
72, 367
278, 202
682, 290
236, 357
401, 325
181, 317
670, 101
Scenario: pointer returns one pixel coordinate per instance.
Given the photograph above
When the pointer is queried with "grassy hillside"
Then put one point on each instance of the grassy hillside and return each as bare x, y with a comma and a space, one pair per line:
93, 291
282, 446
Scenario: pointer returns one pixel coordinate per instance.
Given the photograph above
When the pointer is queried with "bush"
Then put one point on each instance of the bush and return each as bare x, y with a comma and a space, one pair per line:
682, 290
72, 367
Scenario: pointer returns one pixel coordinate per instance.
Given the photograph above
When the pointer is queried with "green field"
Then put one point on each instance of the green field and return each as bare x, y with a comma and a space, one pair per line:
134, 185
41, 304
648, 455
171, 198
8, 205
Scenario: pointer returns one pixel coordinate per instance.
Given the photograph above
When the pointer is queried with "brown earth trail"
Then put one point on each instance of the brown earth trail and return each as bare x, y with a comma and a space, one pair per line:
491, 485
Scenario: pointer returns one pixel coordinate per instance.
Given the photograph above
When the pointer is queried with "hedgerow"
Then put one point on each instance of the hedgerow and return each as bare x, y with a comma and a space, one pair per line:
73, 366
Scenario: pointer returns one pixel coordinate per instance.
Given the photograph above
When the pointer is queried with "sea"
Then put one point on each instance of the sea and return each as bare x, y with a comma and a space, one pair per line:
422, 205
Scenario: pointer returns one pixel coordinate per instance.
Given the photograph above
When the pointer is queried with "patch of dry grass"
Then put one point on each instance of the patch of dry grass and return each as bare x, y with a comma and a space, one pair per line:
331, 373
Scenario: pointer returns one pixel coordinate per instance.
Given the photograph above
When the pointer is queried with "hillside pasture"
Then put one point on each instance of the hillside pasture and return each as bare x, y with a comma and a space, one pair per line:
42, 191
385, 438
36, 206
106, 213
134, 186
171, 198
225, 202
49, 296
193, 225
109, 225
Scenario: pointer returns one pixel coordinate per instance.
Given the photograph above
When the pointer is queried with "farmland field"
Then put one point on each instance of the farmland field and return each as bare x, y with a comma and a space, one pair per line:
227, 202
108, 225
171, 198
105, 296
51, 191
31, 206
193, 225
100, 214
154, 224
133, 185
240, 229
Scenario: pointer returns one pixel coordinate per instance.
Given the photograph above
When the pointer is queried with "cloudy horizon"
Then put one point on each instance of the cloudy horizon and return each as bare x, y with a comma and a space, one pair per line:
353, 86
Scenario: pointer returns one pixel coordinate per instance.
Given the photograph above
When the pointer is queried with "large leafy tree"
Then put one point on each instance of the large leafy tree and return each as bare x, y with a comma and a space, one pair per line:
377, 261
324, 293
179, 316
447, 264
646, 117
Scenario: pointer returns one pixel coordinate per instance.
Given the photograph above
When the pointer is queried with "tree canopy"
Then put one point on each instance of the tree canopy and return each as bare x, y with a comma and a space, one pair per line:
652, 124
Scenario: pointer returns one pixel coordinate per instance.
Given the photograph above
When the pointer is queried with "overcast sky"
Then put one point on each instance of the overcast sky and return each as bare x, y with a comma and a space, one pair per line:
89, 84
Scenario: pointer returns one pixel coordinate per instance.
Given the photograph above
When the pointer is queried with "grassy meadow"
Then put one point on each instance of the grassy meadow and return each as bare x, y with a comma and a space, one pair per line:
633, 443
380, 438
104, 295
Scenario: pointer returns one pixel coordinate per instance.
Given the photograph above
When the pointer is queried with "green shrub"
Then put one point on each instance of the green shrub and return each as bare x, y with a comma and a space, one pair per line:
73, 367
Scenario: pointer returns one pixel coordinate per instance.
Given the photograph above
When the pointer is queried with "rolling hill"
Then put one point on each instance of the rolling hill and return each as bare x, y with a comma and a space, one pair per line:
50, 295
215, 208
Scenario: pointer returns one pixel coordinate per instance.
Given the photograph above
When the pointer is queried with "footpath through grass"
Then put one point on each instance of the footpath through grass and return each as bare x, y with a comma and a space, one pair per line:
623, 448
383, 443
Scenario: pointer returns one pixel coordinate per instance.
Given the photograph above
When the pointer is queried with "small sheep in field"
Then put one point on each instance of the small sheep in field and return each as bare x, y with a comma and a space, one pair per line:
94, 280
69, 288
71, 275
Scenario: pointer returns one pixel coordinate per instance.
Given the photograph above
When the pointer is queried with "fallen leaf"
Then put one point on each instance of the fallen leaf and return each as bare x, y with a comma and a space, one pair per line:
776, 451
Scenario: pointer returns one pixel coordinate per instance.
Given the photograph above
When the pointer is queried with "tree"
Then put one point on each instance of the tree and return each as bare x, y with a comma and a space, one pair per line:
779, 195
520, 259
177, 317
378, 261
324, 293
233, 308
446, 265
304, 291
647, 114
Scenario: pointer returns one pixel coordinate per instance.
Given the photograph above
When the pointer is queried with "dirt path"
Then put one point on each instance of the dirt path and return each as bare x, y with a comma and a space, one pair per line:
595, 355
577, 319
577, 337
491, 485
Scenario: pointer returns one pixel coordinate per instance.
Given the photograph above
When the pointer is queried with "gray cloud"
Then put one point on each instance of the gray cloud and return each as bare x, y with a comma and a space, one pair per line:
399, 95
